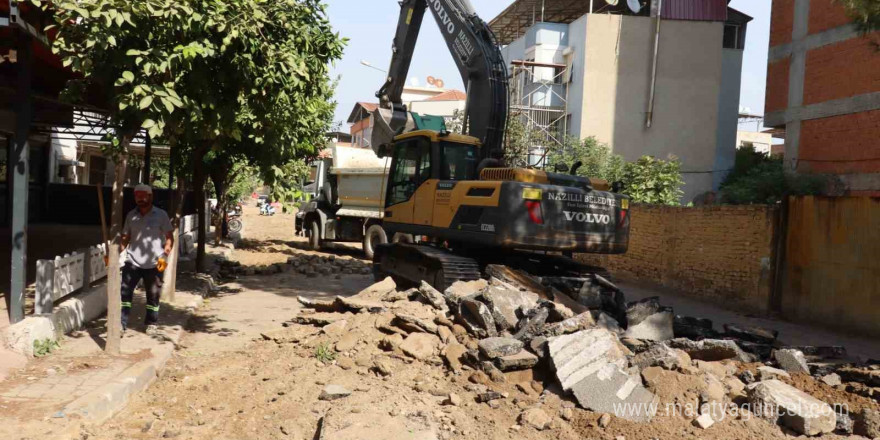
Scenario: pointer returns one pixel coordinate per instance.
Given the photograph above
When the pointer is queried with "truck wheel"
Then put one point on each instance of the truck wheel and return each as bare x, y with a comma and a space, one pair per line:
314, 236
375, 236
402, 238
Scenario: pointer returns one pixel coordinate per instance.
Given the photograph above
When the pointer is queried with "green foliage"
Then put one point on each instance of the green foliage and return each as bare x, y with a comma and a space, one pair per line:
655, 181
287, 181
250, 77
598, 161
44, 347
324, 353
759, 178
865, 14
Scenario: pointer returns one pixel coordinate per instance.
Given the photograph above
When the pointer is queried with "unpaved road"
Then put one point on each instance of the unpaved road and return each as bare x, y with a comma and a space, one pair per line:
228, 382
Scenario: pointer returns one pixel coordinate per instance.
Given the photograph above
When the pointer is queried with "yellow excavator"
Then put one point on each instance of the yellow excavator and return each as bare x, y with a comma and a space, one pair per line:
453, 191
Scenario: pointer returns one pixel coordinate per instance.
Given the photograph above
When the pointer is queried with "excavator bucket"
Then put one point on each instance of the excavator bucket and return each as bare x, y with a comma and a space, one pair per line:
385, 127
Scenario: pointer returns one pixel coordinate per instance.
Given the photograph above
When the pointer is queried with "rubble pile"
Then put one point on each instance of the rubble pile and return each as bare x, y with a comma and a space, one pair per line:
310, 265
613, 357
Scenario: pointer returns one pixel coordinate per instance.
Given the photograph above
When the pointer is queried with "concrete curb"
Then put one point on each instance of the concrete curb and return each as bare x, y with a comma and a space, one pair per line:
100, 405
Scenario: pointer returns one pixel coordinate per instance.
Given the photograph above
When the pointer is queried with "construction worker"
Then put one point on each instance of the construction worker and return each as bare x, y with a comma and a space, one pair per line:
147, 238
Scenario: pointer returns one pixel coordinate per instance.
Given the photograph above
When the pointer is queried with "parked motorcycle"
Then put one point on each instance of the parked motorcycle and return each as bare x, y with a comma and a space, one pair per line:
233, 221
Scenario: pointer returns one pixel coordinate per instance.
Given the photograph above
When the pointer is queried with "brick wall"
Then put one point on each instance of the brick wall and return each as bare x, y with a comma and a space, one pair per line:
714, 252
826, 14
842, 70
841, 144
777, 85
781, 22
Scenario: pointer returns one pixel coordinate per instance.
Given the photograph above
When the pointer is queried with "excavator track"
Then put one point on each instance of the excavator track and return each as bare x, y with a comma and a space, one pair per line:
411, 264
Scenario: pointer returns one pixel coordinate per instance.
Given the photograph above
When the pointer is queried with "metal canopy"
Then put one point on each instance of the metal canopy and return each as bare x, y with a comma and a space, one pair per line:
514, 21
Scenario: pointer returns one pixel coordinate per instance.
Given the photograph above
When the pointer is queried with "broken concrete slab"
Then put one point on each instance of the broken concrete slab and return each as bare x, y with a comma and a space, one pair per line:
567, 301
761, 351
751, 333
453, 354
638, 311
517, 278
867, 376
463, 289
590, 295
519, 361
476, 317
710, 349
504, 304
536, 418
766, 372
497, 347
412, 323
571, 325
654, 327
431, 296
693, 328
606, 321
335, 328
420, 345
347, 341
333, 392
791, 360
777, 401
590, 364
704, 421
378, 290
319, 304
531, 324
832, 379
867, 423
660, 355
360, 305
318, 319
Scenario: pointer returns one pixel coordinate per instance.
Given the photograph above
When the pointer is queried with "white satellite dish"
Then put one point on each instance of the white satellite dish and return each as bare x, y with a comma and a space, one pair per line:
634, 5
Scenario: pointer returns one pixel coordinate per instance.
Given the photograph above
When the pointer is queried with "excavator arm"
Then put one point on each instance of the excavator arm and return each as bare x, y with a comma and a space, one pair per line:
476, 53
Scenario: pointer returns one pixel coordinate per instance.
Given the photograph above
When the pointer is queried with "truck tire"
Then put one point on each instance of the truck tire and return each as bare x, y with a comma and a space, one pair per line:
374, 236
314, 236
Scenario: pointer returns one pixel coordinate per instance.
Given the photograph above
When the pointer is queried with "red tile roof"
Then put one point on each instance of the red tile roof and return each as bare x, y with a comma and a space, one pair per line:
449, 95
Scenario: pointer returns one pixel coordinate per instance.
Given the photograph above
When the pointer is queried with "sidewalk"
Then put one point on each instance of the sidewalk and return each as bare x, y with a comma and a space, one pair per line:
78, 384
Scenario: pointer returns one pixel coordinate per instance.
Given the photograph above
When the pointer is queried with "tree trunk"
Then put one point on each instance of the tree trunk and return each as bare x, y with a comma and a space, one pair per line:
114, 274
199, 192
170, 279
219, 179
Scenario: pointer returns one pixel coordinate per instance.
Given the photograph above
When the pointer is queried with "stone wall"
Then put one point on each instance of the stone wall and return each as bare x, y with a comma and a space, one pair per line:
713, 252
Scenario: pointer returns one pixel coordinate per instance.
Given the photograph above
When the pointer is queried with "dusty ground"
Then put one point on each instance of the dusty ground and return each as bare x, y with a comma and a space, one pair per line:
229, 382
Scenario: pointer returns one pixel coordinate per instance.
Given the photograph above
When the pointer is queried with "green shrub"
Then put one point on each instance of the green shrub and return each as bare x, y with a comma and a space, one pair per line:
758, 178
324, 353
652, 180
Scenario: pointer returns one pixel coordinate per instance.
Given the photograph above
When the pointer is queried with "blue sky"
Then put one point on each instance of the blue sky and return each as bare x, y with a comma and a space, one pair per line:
370, 26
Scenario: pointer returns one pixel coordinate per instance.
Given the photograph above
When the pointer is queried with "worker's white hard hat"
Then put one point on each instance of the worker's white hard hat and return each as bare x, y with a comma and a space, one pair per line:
143, 188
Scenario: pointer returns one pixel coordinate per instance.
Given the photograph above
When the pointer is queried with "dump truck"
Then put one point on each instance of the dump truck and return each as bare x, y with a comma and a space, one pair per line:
347, 200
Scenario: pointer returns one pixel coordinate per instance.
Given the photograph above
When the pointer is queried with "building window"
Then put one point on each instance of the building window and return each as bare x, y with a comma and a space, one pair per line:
97, 170
733, 36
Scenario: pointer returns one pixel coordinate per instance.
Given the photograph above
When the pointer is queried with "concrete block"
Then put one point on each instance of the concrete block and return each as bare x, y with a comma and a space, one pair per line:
429, 295
504, 303
73, 313
20, 337
766, 372
463, 289
791, 360
751, 333
476, 317
655, 327
497, 347
660, 355
710, 349
571, 325
518, 361
590, 364
795, 409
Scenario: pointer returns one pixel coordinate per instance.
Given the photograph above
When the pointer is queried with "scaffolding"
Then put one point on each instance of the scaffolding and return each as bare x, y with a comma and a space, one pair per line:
539, 99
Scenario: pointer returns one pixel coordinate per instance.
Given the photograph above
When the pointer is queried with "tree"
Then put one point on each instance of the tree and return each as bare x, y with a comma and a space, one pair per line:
598, 161
758, 178
287, 181
655, 181
202, 75
865, 14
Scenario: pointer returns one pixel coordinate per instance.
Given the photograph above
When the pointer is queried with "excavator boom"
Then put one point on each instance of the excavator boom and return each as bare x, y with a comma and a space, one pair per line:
480, 64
